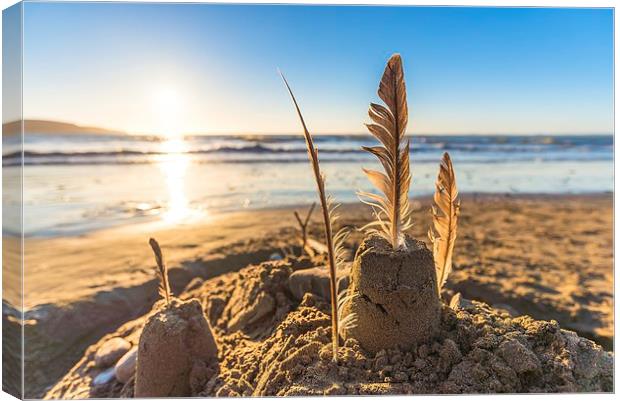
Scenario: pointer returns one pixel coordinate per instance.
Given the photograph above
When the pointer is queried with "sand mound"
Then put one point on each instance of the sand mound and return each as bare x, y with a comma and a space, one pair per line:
11, 350
478, 351
175, 344
282, 347
396, 299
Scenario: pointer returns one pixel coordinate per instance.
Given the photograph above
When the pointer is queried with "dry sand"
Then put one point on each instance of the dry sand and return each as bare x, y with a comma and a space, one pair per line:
548, 257
283, 348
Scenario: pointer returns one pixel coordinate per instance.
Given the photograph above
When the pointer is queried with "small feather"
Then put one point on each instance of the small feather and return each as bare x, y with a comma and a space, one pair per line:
455, 302
445, 218
162, 271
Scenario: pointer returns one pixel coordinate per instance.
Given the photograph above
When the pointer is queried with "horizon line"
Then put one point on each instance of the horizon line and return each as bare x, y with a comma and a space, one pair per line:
114, 131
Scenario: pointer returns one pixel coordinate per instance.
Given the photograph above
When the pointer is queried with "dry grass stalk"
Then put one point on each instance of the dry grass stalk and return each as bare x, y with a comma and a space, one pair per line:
445, 218
335, 248
303, 227
162, 271
287, 252
392, 208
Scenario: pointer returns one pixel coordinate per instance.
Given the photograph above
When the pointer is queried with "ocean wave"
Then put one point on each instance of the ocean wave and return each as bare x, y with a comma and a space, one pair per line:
55, 150
262, 149
301, 159
257, 149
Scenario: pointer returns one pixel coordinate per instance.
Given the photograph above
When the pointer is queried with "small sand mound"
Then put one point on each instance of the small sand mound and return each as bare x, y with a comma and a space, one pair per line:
250, 301
287, 351
176, 344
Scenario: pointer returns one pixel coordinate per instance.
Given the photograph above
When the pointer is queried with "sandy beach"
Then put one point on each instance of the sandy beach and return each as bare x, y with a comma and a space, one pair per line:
155, 183
549, 257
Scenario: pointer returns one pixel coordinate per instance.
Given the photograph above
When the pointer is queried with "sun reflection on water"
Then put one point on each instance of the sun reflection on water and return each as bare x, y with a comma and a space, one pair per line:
173, 164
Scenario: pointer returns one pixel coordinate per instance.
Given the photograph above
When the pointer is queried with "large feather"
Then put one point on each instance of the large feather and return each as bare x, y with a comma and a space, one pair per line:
334, 243
162, 271
445, 217
389, 124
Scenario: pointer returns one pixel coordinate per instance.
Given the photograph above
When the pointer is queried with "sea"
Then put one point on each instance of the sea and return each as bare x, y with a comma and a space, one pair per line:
79, 183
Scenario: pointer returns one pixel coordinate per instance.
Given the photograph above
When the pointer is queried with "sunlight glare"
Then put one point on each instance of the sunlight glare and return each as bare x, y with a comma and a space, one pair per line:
168, 110
174, 165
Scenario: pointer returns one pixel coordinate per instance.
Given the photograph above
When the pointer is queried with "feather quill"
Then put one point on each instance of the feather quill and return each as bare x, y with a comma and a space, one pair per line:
162, 271
389, 124
335, 250
445, 217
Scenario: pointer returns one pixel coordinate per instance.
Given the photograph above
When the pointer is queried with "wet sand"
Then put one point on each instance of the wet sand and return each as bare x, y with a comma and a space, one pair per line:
550, 257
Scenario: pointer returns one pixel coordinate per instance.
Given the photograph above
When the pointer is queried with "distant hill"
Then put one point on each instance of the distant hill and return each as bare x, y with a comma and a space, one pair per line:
53, 127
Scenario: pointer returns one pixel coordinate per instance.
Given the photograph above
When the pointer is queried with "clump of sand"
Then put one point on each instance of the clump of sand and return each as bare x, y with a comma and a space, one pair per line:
395, 294
176, 344
287, 351
478, 350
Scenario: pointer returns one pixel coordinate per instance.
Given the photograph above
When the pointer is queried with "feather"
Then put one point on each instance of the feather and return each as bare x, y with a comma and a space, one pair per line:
162, 271
445, 217
334, 243
455, 302
391, 209
347, 320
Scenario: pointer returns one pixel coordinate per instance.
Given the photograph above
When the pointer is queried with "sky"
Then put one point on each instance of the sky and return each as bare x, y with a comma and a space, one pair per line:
199, 68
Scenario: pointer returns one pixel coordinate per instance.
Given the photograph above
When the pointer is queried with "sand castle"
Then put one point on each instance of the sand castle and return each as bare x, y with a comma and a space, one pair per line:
374, 326
176, 342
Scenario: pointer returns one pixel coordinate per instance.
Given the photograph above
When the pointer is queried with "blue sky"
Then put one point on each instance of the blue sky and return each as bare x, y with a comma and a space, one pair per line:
212, 68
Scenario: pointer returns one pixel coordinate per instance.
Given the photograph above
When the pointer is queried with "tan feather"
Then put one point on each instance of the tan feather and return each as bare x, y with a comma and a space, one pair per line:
162, 271
392, 210
334, 243
445, 217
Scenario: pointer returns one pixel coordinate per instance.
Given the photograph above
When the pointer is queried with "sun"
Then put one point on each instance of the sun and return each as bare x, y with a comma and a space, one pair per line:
168, 105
